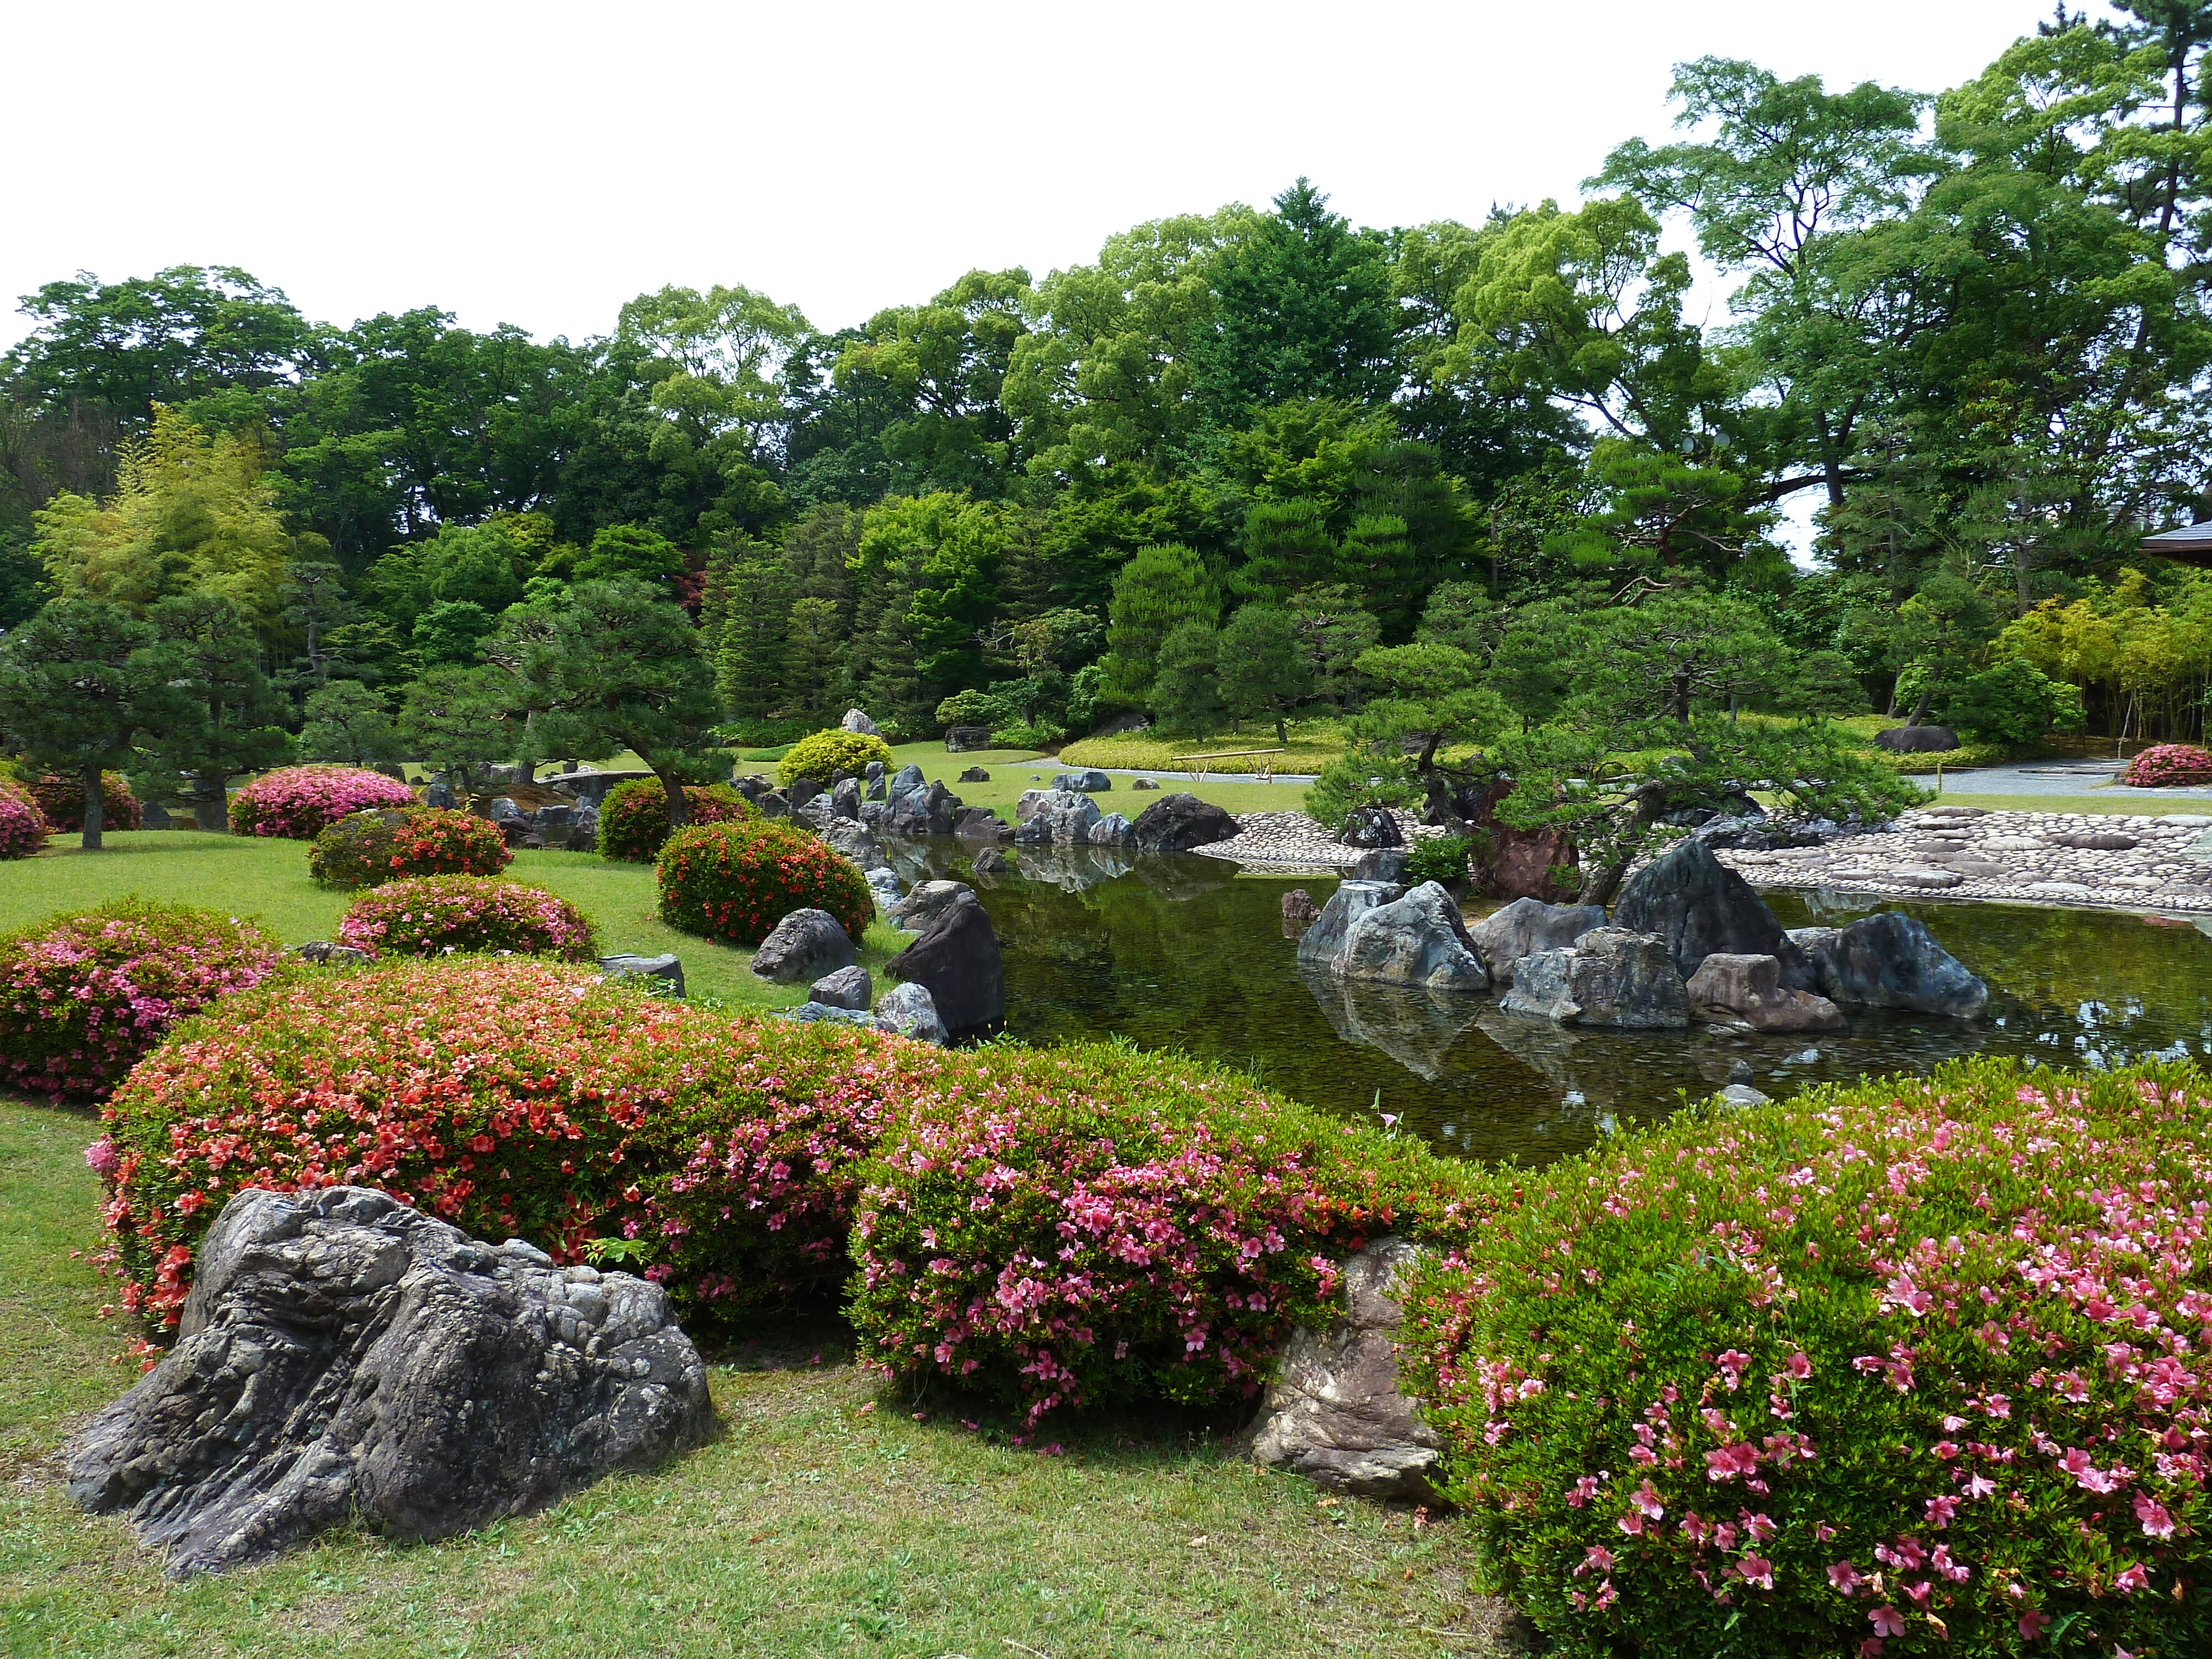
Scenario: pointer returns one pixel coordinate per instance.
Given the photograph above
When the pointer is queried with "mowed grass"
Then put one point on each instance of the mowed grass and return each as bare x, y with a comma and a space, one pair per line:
827, 1518
267, 880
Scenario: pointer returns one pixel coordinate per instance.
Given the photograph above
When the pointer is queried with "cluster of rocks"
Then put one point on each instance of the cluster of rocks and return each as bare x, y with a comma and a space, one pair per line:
1964, 851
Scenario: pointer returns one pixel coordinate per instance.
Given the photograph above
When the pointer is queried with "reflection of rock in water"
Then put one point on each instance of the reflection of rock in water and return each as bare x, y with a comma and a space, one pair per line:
917, 858
1181, 876
1587, 1062
1072, 869
1827, 902
1415, 1026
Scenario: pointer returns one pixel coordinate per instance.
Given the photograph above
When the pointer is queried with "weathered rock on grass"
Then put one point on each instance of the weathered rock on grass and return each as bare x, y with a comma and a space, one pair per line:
664, 972
343, 1356
848, 987
804, 945
1180, 821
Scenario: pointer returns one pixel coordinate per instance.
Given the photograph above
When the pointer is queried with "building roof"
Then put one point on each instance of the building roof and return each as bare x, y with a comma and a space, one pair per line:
2192, 544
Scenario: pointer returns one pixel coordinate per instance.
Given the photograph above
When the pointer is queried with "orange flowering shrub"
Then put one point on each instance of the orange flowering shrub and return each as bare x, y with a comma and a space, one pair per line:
634, 817
365, 849
737, 881
62, 801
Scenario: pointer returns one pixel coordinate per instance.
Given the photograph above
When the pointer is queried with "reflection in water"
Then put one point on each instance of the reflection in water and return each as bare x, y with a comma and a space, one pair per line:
1184, 953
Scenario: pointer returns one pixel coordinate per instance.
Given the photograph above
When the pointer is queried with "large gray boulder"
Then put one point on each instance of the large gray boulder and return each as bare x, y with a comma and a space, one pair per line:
1112, 830
1916, 739
929, 812
1334, 1413
1382, 864
872, 785
1698, 905
817, 811
1060, 819
958, 963
1086, 783
1322, 945
1180, 821
845, 798
908, 1010
1748, 990
907, 781
1609, 976
804, 945
982, 824
920, 910
343, 1357
848, 988
855, 720
1419, 940
852, 841
1526, 926
1890, 961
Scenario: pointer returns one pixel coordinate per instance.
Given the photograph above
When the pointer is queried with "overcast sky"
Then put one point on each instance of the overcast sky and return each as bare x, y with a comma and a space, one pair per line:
540, 164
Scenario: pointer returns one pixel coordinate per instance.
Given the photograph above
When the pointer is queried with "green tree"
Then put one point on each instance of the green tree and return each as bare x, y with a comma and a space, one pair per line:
349, 722
630, 550
1158, 590
1333, 632
74, 687
1186, 693
952, 547
450, 631
1429, 703
1261, 665
214, 712
458, 720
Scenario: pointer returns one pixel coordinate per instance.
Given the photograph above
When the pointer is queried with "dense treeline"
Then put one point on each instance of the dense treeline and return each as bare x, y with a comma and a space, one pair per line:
1214, 471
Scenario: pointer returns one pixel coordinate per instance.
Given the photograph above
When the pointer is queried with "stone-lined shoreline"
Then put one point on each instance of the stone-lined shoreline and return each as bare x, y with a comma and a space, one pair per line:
1293, 839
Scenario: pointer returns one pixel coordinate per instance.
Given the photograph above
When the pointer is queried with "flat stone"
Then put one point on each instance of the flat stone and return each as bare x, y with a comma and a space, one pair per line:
1749, 988
1742, 1094
664, 974
804, 945
848, 988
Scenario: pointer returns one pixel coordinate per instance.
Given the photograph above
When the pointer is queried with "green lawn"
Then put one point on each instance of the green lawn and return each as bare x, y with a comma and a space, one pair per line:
248, 875
827, 1519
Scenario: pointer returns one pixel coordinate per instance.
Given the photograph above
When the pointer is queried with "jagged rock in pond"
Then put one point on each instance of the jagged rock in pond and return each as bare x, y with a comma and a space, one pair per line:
1180, 821
1527, 926
855, 720
1084, 783
1382, 864
1060, 819
1372, 826
341, 1355
804, 945
817, 811
323, 953
958, 963
1609, 976
1334, 1413
1888, 960
1419, 940
1698, 905
990, 861
882, 881
663, 974
845, 798
773, 806
980, 823
1028, 803
1322, 946
975, 775
918, 912
907, 781
1748, 990
909, 1010
876, 816
1916, 739
848, 988
1742, 1094
960, 739
854, 842
1414, 1026
930, 811
873, 778
1112, 830
1299, 913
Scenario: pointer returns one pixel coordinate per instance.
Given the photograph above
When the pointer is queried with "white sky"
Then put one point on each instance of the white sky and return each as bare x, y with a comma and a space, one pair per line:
539, 164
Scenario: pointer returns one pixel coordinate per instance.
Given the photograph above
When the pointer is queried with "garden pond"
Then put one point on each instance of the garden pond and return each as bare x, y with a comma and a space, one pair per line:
1187, 952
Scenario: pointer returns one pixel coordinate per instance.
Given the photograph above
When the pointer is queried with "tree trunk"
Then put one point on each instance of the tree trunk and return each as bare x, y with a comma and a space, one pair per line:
1605, 880
1282, 730
679, 803
208, 803
95, 805
1920, 708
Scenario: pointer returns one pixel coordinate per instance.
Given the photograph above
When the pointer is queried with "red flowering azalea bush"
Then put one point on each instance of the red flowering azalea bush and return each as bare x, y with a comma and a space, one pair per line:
634, 817
62, 801
1084, 1226
1908, 1368
23, 829
736, 881
447, 915
81, 996
2165, 764
369, 847
300, 802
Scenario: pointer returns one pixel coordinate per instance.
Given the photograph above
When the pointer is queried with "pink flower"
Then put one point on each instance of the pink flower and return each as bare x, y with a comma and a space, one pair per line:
2032, 1624
1844, 1578
1887, 1621
1757, 1569
2156, 1523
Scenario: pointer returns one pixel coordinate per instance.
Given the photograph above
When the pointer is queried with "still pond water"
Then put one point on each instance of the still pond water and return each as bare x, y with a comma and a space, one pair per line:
1187, 953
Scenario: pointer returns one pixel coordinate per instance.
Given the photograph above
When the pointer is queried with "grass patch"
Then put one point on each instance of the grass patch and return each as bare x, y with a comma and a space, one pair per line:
1313, 743
267, 880
828, 1519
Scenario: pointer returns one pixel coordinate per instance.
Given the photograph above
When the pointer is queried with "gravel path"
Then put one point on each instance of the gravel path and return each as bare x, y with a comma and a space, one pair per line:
2060, 777
1285, 839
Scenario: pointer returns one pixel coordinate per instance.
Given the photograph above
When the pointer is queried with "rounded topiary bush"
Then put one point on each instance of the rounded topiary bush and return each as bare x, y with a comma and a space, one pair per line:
391, 843
81, 996
736, 881
1915, 1363
62, 801
1085, 1226
2167, 764
300, 802
444, 915
822, 754
634, 817
23, 829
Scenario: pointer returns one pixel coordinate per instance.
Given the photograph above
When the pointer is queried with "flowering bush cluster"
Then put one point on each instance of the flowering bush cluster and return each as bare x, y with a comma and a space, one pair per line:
2165, 764
83, 997
1898, 1369
1082, 1226
737, 881
300, 802
365, 848
822, 754
22, 824
451, 915
62, 799
634, 817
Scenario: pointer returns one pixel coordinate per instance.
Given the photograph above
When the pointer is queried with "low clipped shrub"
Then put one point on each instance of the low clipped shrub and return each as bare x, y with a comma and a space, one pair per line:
62, 801
822, 754
1906, 1367
81, 996
298, 803
736, 881
367, 848
447, 915
23, 829
634, 817
1079, 1227
2165, 764
1438, 858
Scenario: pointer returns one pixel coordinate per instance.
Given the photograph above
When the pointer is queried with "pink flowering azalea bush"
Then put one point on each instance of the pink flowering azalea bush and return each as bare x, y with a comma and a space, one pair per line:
1908, 1368
81, 996
736, 881
1084, 1226
62, 801
2165, 764
447, 915
23, 829
300, 802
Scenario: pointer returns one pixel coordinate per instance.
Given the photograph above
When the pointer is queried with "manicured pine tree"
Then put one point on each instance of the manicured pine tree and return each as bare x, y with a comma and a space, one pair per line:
1262, 667
74, 693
